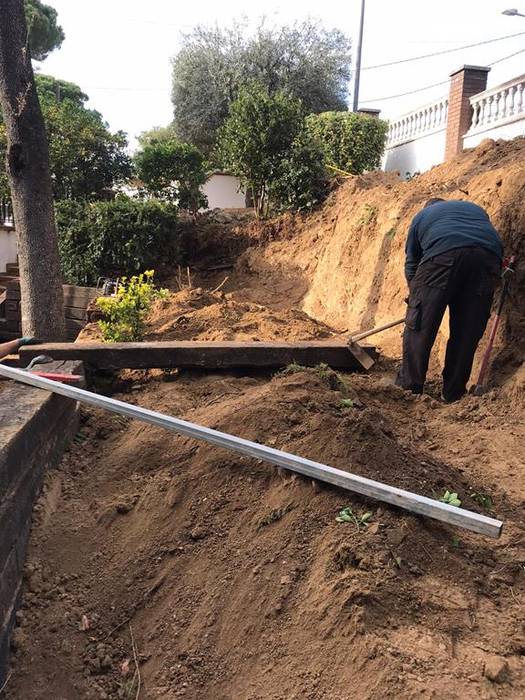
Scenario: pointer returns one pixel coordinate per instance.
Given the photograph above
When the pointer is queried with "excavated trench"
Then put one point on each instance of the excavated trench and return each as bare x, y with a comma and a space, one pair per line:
222, 577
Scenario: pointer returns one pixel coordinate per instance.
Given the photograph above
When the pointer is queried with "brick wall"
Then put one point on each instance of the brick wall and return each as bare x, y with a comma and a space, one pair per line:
464, 83
32, 439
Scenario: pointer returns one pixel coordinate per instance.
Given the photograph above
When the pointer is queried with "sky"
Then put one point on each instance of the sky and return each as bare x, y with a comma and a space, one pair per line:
119, 51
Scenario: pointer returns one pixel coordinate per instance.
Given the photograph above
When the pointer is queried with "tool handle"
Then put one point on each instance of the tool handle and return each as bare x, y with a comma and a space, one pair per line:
485, 362
365, 334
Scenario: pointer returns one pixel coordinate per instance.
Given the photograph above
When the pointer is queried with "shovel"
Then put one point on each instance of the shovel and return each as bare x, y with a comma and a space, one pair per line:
480, 387
360, 353
55, 376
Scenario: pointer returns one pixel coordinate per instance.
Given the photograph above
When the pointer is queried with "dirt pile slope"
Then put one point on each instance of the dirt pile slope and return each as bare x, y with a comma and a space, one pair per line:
238, 581
199, 314
347, 259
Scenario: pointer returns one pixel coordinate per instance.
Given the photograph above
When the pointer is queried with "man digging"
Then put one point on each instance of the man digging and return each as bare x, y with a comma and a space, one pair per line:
453, 258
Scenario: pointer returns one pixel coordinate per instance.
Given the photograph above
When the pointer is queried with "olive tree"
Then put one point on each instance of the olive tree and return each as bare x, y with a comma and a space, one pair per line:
304, 60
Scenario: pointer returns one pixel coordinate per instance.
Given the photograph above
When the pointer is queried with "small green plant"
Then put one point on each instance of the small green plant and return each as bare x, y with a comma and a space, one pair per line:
346, 403
330, 377
347, 515
455, 542
451, 498
369, 214
292, 368
327, 375
483, 499
391, 232
274, 515
125, 312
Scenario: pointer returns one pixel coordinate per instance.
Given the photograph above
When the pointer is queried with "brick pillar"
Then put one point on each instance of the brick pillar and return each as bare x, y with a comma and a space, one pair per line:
464, 83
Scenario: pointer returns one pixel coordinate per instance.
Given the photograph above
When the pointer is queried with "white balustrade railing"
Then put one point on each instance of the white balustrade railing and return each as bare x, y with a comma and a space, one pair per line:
502, 103
426, 119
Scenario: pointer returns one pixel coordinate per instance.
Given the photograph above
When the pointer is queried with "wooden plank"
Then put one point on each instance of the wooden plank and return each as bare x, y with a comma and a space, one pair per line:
12, 314
79, 296
74, 324
206, 355
74, 312
412, 502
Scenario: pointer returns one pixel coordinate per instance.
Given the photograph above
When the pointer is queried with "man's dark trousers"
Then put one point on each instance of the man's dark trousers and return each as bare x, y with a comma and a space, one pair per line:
463, 279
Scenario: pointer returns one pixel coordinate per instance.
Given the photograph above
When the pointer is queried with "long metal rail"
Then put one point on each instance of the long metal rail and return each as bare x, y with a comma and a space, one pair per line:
412, 502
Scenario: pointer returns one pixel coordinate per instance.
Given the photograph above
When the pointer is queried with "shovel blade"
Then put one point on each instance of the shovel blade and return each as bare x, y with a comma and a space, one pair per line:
361, 355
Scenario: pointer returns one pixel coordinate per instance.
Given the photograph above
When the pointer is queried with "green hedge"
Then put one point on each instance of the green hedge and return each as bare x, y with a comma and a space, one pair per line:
121, 237
352, 142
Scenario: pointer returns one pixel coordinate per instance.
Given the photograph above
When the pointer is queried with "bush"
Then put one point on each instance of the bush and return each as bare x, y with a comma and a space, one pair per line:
173, 171
125, 312
264, 144
301, 180
352, 142
120, 237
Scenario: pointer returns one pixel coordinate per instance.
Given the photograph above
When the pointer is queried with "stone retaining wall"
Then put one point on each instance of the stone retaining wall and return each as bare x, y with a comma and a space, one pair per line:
35, 428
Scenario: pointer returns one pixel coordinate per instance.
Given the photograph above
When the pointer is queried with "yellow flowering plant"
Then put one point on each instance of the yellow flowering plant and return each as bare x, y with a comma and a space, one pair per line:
125, 313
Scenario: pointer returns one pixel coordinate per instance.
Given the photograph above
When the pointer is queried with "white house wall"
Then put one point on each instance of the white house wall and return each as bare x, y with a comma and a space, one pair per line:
8, 247
416, 155
223, 192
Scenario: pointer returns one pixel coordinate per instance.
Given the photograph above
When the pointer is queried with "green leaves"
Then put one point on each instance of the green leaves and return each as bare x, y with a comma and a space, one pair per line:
304, 60
347, 515
265, 144
113, 238
257, 137
352, 142
172, 170
451, 498
125, 313
483, 499
44, 33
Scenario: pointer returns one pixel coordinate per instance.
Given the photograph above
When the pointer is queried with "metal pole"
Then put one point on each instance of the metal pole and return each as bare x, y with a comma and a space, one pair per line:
315, 470
358, 58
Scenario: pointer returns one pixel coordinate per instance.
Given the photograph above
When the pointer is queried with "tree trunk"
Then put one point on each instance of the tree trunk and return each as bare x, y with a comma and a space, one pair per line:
30, 180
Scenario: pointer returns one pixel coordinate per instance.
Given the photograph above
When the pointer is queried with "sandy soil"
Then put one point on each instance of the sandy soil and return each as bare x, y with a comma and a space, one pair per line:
226, 578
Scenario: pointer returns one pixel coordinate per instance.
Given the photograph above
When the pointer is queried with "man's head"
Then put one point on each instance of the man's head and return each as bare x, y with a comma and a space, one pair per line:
432, 201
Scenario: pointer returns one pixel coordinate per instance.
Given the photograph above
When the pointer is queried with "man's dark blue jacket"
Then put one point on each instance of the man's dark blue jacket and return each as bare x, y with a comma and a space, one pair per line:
443, 226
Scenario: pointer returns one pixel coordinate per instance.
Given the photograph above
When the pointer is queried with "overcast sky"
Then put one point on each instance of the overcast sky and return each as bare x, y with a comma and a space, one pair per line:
119, 51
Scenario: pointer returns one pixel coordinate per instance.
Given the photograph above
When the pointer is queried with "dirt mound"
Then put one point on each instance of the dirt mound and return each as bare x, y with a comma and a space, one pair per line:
347, 259
222, 577
198, 314
237, 580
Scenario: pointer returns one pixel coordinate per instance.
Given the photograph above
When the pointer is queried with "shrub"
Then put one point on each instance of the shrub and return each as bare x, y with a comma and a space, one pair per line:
125, 312
120, 237
173, 171
264, 143
352, 142
301, 181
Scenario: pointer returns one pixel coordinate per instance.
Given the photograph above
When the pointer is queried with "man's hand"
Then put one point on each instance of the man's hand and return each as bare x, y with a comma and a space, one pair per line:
26, 340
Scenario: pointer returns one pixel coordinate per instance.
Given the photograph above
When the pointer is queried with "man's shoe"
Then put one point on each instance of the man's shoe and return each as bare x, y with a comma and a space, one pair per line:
455, 399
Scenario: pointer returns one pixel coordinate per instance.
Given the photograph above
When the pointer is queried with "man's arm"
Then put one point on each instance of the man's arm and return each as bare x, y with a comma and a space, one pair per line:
13, 346
413, 252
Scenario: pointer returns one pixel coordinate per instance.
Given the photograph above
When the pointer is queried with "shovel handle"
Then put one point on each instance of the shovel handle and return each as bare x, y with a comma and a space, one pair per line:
365, 334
